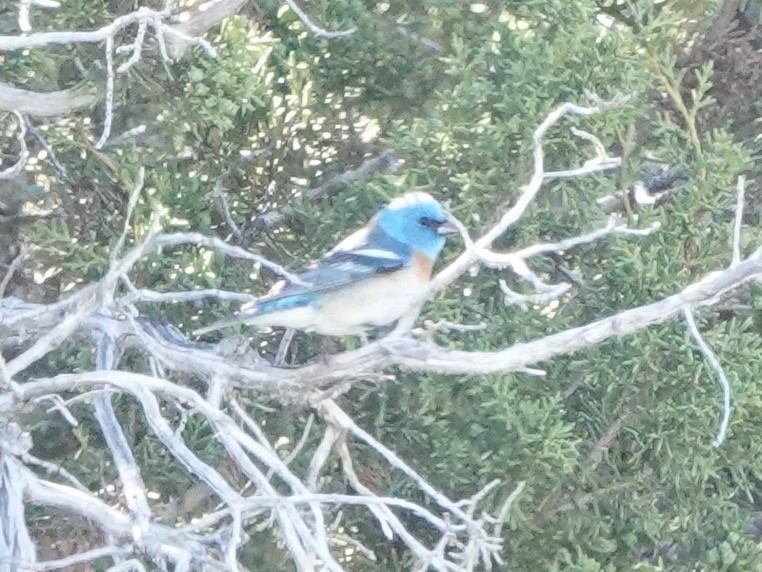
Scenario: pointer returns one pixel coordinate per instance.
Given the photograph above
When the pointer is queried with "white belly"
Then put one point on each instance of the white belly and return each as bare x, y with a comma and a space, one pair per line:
368, 304
377, 302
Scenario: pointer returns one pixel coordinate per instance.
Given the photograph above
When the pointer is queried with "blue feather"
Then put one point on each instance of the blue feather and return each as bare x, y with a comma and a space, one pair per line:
413, 220
279, 304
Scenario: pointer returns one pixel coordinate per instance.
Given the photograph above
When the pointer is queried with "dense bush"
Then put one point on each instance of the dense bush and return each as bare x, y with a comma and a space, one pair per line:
613, 443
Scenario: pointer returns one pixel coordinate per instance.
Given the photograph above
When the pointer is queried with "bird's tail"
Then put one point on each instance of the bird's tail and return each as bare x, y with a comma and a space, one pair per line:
250, 312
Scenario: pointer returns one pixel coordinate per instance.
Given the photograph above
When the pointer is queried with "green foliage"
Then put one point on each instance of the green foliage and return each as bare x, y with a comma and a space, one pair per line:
281, 110
213, 90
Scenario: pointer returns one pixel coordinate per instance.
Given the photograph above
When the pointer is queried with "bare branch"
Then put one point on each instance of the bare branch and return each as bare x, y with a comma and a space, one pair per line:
614, 226
136, 48
217, 244
465, 260
129, 473
9, 43
110, 81
12, 268
388, 521
545, 294
737, 221
721, 378
302, 441
159, 538
54, 469
15, 170
131, 203
47, 104
58, 404
341, 419
434, 48
57, 166
219, 193
74, 559
15, 542
425, 356
385, 160
83, 304
415, 354
143, 295
320, 457
285, 343
142, 17
196, 22
595, 456
506, 508
314, 28
25, 19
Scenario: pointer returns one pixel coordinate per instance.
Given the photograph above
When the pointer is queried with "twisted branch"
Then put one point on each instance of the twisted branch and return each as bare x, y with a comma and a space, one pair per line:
279, 496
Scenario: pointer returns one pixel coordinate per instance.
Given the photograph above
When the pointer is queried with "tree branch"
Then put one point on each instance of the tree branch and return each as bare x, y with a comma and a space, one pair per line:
47, 104
314, 28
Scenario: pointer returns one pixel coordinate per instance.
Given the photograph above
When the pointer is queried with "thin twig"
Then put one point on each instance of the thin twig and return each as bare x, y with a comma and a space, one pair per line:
737, 221
110, 80
285, 343
198, 239
223, 200
131, 203
144, 295
613, 226
539, 176
320, 457
54, 469
302, 442
57, 166
136, 48
15, 170
385, 160
14, 265
721, 378
314, 28
340, 418
506, 508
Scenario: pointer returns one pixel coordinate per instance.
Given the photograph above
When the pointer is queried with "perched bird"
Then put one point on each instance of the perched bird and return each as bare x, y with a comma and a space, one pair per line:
371, 278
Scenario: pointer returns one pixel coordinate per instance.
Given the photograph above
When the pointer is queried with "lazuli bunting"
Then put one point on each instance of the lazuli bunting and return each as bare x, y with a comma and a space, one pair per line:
371, 278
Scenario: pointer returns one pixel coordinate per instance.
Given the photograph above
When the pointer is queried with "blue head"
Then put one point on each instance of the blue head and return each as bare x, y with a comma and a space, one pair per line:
418, 221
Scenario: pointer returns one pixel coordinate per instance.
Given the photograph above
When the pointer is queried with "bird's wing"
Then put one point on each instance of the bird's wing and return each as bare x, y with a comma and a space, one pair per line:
342, 268
354, 241
352, 261
362, 255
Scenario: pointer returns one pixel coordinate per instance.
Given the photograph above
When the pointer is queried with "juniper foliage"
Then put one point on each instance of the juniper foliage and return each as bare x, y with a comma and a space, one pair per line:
613, 443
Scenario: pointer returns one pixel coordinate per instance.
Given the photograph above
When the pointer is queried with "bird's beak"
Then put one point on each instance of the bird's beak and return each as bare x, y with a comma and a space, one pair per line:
447, 227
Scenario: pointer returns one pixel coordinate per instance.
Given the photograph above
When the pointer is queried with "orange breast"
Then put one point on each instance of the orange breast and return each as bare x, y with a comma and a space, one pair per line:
423, 266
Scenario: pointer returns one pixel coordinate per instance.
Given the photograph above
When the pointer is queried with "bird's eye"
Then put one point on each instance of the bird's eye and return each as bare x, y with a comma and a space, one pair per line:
431, 223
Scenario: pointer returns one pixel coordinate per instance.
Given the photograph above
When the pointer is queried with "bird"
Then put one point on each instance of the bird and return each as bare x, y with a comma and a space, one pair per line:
370, 279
